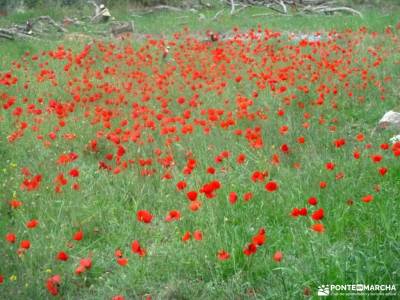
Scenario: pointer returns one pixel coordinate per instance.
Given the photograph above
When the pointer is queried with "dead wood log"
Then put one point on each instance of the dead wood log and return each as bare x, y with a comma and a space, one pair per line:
12, 34
341, 8
51, 22
6, 34
302, 6
121, 27
283, 5
166, 7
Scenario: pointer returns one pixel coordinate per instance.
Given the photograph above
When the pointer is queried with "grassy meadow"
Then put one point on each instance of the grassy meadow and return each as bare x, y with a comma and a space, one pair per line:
245, 168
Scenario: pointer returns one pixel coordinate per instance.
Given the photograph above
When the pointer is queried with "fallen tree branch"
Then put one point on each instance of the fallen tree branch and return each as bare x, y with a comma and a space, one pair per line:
300, 6
284, 8
207, 5
6, 34
232, 6
166, 7
275, 9
121, 28
244, 6
263, 15
270, 14
50, 21
14, 32
341, 8
217, 14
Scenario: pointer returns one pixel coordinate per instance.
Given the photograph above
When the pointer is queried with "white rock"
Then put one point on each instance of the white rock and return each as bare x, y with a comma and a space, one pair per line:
395, 139
390, 119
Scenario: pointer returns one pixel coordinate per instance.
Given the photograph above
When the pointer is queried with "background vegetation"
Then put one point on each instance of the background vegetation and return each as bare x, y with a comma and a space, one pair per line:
361, 243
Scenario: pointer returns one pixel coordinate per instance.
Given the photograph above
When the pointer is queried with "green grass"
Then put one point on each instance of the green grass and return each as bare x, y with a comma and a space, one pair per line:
361, 242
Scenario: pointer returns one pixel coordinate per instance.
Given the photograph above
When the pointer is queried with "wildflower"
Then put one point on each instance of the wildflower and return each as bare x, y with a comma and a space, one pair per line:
78, 236
52, 284
271, 186
319, 227
186, 236
136, 248
144, 216
173, 215
223, 255
198, 235
278, 256
25, 244
11, 238
63, 256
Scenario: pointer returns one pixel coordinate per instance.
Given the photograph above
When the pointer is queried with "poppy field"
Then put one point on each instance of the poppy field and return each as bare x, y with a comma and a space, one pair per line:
244, 166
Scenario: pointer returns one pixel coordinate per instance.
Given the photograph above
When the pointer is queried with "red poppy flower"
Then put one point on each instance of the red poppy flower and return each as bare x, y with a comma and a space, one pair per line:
63, 256
74, 173
330, 166
271, 186
319, 227
285, 148
118, 253
181, 185
312, 201
250, 249
15, 203
192, 195
278, 256
259, 238
367, 198
25, 244
360, 137
318, 214
258, 176
383, 171
86, 263
223, 255
78, 236
79, 270
122, 261
295, 212
136, 248
211, 170
52, 284
32, 223
241, 158
339, 143
233, 197
194, 205
198, 235
247, 196
301, 140
173, 215
11, 238
303, 211
144, 216
376, 158
384, 146
186, 236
